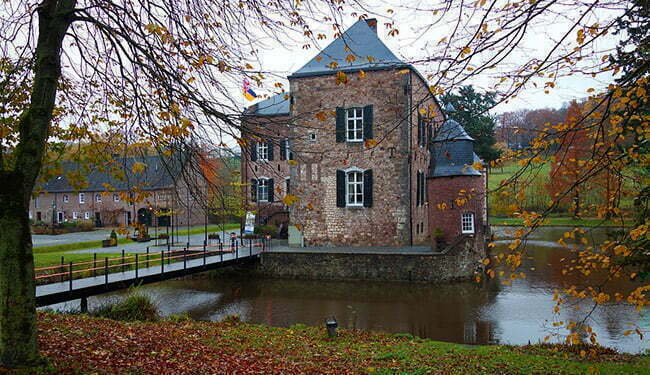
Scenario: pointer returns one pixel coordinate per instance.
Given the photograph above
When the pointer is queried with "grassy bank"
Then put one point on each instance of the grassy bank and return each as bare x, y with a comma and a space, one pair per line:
84, 345
558, 222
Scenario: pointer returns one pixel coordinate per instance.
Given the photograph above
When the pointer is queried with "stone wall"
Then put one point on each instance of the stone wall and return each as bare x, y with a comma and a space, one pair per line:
319, 156
459, 264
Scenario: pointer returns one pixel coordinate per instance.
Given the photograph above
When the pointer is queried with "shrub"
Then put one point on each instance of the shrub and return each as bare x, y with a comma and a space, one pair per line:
267, 229
85, 225
180, 318
136, 307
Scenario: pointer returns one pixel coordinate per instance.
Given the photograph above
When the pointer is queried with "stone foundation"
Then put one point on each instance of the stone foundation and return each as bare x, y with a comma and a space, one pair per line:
459, 263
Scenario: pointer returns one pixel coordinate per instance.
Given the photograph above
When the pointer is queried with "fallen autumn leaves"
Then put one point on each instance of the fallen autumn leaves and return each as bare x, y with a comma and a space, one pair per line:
77, 344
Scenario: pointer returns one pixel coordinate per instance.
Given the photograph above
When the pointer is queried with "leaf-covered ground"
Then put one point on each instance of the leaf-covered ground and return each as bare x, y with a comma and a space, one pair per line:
75, 344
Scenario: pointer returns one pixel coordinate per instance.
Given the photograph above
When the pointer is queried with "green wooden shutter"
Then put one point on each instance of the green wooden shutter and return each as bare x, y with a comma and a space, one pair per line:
271, 189
253, 190
340, 188
269, 144
340, 124
253, 151
283, 149
367, 122
417, 190
367, 188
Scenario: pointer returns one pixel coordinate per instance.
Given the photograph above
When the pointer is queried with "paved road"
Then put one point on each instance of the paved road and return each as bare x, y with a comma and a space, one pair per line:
141, 247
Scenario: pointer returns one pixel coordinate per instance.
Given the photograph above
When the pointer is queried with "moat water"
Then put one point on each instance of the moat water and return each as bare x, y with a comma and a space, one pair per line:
470, 313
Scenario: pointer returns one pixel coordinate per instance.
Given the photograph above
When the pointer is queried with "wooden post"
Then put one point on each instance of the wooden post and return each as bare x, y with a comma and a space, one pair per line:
136, 266
70, 275
94, 264
147, 256
122, 260
106, 270
162, 262
184, 259
62, 270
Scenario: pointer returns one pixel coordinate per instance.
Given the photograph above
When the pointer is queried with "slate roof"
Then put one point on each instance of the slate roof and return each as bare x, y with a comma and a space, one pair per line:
276, 105
361, 41
453, 151
451, 130
159, 173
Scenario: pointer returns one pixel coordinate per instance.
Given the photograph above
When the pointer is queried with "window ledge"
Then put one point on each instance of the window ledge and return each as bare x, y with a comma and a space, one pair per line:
355, 206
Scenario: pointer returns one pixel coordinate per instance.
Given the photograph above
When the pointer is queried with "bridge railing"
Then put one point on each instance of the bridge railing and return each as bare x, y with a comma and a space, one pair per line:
68, 271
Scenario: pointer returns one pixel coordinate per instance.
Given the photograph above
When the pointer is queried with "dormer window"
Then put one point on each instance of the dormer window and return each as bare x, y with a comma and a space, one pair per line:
354, 124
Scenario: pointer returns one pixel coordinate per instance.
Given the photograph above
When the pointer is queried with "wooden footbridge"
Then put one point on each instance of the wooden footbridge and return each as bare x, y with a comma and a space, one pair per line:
80, 280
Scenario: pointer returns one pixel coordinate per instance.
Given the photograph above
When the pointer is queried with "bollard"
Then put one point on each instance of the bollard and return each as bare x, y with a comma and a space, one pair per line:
331, 326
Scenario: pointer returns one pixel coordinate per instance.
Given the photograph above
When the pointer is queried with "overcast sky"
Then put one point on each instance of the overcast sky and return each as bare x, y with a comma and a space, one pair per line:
282, 58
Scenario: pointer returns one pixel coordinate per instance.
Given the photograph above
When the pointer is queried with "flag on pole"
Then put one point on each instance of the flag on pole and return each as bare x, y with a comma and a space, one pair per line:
248, 91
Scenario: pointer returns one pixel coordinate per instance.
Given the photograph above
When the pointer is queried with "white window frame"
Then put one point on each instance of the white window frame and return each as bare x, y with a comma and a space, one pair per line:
87, 215
74, 215
262, 151
82, 198
66, 198
116, 197
287, 185
60, 216
98, 198
467, 223
263, 197
37, 201
348, 173
354, 117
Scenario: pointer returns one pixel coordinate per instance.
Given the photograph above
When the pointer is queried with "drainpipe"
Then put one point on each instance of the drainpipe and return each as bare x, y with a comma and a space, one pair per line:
409, 154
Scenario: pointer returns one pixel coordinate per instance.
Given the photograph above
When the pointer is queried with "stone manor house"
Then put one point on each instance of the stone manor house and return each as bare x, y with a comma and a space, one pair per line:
366, 148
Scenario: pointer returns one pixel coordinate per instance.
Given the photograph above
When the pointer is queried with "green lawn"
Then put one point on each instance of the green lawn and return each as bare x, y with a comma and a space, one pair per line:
557, 221
54, 258
83, 245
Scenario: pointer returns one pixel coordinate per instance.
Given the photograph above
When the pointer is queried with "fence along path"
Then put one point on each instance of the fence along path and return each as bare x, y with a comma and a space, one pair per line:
104, 275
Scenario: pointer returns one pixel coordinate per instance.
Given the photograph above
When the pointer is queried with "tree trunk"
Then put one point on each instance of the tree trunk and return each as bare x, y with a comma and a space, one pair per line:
17, 288
17, 307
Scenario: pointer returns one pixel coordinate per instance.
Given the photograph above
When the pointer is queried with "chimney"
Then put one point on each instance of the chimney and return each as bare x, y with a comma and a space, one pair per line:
372, 23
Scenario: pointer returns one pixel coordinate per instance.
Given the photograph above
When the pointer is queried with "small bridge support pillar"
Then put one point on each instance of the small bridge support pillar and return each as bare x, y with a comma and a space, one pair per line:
84, 305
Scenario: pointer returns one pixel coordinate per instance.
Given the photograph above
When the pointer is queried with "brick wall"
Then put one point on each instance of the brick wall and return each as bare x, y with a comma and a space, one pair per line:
274, 130
445, 190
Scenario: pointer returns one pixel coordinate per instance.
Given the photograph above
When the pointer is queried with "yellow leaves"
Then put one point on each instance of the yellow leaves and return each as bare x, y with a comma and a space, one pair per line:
436, 90
290, 199
341, 78
370, 143
362, 74
350, 58
403, 71
292, 162
486, 261
319, 58
333, 65
465, 51
321, 116
639, 231
370, 59
138, 167
580, 37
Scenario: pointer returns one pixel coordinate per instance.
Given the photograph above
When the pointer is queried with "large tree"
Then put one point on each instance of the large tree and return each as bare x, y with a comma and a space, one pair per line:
111, 74
472, 111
